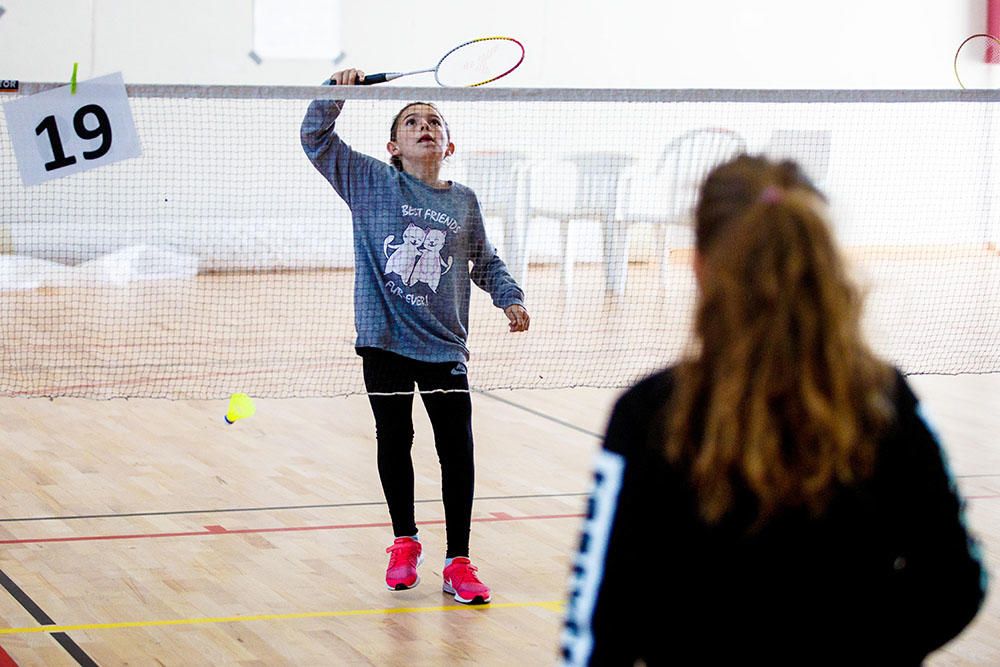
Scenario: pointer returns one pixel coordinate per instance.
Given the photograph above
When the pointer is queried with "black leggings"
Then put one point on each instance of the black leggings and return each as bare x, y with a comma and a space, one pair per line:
451, 418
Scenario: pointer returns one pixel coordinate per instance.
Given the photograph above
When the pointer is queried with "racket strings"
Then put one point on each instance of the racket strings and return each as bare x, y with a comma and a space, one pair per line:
479, 62
977, 61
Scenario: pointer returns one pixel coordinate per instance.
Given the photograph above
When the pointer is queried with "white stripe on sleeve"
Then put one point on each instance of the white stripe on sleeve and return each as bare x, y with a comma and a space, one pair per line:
588, 568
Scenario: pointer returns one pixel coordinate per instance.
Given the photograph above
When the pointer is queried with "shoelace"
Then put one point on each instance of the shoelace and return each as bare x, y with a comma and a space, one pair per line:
469, 574
394, 555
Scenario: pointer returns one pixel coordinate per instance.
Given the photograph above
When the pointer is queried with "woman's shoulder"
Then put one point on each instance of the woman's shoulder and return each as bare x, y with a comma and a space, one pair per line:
651, 391
902, 394
637, 411
903, 404
907, 416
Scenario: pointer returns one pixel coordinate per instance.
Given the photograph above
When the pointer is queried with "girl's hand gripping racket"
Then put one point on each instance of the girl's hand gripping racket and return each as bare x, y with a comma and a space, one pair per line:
474, 63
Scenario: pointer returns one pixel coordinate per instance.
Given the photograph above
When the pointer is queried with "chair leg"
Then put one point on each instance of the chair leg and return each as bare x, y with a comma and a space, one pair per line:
523, 259
665, 247
568, 246
520, 227
515, 249
615, 233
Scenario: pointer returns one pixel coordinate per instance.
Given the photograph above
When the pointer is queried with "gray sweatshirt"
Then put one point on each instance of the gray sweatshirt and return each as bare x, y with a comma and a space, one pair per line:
413, 247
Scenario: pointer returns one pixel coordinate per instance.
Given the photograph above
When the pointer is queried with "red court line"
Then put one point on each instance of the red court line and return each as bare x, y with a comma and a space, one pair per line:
220, 530
5, 659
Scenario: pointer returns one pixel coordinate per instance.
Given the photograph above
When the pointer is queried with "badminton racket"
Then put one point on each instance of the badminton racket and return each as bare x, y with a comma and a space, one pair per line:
976, 60
473, 63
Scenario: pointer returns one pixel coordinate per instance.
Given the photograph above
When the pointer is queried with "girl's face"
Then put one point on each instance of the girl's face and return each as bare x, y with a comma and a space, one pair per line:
421, 136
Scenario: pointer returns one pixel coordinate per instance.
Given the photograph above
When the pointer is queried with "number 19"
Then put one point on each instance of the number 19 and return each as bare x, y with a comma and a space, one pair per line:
103, 130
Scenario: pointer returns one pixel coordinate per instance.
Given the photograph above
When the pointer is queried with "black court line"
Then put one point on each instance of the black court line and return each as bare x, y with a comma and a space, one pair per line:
42, 618
598, 435
274, 508
550, 418
278, 508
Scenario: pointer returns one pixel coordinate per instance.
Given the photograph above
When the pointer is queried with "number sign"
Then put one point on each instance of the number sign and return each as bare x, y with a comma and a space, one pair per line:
57, 133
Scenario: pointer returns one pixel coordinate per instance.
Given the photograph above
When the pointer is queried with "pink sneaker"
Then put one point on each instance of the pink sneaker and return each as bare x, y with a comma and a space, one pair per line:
405, 555
460, 580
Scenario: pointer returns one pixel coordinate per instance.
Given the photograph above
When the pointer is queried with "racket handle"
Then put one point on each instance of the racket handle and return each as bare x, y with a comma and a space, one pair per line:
381, 77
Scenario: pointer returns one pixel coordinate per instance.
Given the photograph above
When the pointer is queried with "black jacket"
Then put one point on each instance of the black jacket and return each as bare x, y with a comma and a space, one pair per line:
888, 574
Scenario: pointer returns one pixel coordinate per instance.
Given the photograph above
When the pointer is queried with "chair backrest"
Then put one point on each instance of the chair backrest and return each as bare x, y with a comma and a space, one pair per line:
688, 159
578, 185
497, 178
809, 148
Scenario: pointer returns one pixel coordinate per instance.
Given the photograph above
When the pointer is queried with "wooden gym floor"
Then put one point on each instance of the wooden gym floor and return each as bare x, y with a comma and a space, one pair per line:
150, 532
147, 531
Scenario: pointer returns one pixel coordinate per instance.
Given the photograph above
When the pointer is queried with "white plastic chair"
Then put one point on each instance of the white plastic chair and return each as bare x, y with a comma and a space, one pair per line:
666, 192
499, 179
809, 148
579, 186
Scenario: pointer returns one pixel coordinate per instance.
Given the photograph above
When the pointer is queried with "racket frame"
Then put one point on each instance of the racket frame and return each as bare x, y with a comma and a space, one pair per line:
437, 67
958, 52
382, 77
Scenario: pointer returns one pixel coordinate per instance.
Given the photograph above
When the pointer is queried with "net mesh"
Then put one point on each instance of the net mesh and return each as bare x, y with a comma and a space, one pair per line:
221, 260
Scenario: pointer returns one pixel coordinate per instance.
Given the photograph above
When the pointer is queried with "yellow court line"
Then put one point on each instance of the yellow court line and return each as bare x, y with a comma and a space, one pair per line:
553, 605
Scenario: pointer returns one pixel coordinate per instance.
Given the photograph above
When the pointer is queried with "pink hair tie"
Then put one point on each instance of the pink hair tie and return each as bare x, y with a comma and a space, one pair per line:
772, 194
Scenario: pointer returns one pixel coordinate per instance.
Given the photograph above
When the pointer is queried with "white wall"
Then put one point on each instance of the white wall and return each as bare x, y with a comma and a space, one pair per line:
627, 43
570, 43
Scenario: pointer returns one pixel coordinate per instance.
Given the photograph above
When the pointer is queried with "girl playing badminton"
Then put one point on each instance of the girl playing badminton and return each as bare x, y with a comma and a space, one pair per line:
777, 498
415, 237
